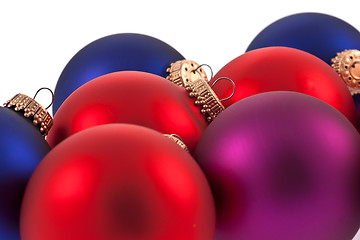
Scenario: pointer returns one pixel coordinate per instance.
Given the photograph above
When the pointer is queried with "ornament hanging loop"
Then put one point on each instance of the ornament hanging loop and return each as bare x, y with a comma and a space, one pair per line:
52, 95
204, 64
232, 82
175, 135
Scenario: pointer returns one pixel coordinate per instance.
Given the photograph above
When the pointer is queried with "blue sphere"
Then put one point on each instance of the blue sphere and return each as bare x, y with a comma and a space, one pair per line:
22, 147
319, 34
118, 52
356, 98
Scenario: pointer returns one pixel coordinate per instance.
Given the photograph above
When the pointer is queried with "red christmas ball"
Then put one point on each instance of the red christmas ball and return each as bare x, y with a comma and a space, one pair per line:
118, 181
130, 97
284, 69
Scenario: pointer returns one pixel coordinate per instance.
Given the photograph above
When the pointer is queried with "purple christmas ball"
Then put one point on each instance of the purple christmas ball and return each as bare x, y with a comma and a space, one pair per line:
283, 165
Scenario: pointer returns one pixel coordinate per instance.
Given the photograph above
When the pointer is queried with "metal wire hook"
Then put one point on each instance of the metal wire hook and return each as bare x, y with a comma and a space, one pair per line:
234, 87
204, 64
175, 135
52, 95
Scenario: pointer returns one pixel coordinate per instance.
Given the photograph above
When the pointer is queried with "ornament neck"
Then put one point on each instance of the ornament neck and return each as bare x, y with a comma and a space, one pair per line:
347, 65
184, 72
177, 139
32, 110
191, 75
210, 104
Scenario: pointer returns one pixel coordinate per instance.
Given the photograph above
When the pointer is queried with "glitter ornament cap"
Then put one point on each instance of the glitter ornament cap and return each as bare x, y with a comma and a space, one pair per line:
347, 65
184, 72
210, 104
32, 110
177, 140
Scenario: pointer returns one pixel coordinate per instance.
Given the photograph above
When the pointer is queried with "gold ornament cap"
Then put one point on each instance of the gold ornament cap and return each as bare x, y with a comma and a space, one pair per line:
32, 110
177, 140
184, 72
347, 65
210, 104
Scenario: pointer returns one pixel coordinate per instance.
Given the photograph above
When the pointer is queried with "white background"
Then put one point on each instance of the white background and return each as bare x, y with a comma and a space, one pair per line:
38, 38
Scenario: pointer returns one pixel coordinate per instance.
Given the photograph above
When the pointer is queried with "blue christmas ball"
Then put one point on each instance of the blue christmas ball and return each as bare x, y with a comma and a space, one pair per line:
356, 98
118, 52
22, 147
319, 34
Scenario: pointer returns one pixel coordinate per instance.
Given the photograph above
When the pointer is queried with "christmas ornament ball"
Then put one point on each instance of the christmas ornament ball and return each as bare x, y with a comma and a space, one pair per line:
117, 52
118, 181
284, 69
22, 147
320, 34
283, 165
356, 98
130, 97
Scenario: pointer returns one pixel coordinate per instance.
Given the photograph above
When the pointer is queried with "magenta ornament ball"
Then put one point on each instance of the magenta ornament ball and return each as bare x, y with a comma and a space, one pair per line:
283, 165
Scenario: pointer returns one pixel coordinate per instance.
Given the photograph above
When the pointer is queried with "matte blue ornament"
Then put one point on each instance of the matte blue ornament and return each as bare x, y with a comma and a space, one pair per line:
22, 147
356, 98
319, 34
118, 52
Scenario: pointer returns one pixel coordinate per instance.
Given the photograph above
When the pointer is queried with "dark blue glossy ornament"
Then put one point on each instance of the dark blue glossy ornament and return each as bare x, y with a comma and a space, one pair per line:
22, 147
118, 52
319, 34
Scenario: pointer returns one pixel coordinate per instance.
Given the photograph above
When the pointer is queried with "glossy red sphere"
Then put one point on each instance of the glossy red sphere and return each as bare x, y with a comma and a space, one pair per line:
118, 182
284, 69
130, 97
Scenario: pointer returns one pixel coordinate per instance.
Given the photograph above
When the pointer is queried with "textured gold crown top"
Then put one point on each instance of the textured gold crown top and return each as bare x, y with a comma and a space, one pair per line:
177, 140
347, 65
33, 110
185, 71
210, 104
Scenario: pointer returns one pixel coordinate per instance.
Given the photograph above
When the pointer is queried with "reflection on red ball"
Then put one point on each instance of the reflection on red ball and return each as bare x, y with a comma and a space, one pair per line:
284, 69
130, 97
118, 181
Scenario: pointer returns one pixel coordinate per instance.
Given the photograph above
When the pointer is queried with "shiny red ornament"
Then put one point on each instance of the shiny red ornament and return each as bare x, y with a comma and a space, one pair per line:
118, 181
284, 69
130, 97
